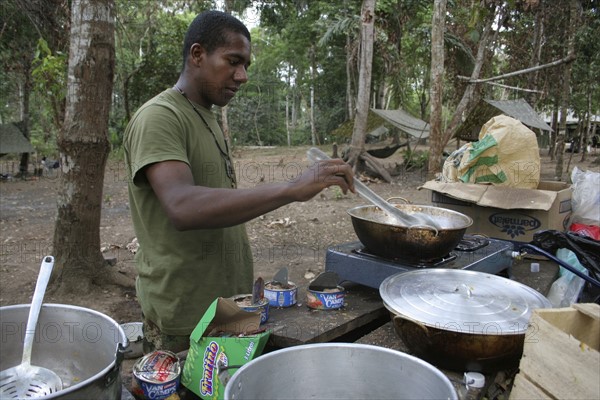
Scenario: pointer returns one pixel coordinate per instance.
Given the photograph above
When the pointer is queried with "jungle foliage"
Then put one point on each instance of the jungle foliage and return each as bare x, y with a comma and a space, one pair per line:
305, 58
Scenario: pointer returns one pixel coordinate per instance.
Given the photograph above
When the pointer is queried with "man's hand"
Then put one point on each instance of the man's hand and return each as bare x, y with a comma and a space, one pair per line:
321, 175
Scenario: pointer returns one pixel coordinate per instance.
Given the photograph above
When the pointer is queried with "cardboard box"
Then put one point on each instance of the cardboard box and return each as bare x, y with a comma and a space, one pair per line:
561, 358
200, 374
506, 213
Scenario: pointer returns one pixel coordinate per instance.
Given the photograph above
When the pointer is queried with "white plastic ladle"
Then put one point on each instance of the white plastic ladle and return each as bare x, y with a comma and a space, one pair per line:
26, 380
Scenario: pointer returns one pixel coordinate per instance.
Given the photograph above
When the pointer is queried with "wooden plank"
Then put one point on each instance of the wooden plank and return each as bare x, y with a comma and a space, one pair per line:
556, 361
385, 336
299, 324
524, 389
583, 326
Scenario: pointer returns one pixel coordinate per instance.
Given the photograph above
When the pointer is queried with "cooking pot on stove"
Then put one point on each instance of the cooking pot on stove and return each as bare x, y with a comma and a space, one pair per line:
338, 371
461, 320
84, 347
377, 231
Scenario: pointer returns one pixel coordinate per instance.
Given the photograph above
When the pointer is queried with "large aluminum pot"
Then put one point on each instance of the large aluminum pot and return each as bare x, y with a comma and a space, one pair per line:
338, 371
384, 238
84, 347
461, 320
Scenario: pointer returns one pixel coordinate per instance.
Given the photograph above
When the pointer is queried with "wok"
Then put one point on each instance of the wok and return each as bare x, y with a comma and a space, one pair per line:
384, 238
461, 320
459, 351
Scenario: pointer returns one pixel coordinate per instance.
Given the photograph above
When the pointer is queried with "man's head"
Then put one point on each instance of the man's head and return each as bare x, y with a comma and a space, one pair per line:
210, 29
216, 56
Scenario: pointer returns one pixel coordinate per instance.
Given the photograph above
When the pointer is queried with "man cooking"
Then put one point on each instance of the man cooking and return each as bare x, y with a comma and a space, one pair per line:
187, 211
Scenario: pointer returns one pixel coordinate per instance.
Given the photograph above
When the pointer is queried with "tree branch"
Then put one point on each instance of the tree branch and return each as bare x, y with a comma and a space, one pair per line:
514, 88
374, 164
567, 59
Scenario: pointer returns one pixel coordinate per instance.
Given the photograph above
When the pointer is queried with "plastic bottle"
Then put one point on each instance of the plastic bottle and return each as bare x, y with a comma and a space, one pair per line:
567, 288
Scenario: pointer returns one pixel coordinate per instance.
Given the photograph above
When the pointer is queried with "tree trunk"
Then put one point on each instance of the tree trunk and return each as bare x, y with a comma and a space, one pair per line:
554, 132
83, 144
287, 110
380, 96
536, 54
228, 5
588, 126
359, 132
294, 107
225, 126
349, 77
311, 116
438, 24
313, 126
566, 87
465, 102
24, 163
287, 119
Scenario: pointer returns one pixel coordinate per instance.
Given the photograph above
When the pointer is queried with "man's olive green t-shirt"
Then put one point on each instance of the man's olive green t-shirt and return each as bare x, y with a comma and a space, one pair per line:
180, 273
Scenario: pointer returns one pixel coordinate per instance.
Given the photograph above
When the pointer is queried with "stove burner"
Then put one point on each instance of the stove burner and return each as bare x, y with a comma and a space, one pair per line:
431, 263
355, 263
472, 243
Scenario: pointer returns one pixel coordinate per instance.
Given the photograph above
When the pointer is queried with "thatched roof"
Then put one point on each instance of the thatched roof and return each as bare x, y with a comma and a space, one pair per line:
518, 109
12, 140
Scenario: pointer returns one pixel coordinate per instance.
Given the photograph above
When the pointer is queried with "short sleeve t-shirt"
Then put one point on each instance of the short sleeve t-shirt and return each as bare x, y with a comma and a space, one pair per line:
180, 273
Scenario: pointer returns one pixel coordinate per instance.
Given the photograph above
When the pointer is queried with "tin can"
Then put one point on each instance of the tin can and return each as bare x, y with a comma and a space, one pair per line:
157, 375
330, 299
281, 296
244, 301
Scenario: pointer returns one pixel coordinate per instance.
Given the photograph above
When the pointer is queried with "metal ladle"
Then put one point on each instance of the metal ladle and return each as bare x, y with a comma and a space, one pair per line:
26, 380
400, 218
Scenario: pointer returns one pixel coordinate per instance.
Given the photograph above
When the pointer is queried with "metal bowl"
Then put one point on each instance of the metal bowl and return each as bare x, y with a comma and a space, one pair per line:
84, 347
338, 371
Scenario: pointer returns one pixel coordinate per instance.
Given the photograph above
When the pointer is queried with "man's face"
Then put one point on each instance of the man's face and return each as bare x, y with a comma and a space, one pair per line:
221, 73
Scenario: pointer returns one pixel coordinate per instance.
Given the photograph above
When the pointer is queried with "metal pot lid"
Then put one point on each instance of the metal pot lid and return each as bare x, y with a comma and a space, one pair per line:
462, 301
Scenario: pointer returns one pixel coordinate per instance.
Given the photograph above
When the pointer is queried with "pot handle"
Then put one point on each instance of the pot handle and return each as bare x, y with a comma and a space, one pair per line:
114, 372
464, 290
223, 372
404, 319
389, 200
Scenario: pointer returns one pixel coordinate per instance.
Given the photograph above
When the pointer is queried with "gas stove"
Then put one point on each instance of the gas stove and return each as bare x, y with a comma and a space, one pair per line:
355, 263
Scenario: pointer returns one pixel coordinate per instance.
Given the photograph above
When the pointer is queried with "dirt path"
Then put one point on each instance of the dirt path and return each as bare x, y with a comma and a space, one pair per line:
295, 236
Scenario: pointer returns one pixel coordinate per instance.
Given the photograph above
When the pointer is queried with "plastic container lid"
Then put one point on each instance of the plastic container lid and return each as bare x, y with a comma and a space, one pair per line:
462, 301
474, 380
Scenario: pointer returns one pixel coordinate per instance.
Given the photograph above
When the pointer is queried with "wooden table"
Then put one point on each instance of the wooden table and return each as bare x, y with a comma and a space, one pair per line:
364, 311
363, 319
298, 324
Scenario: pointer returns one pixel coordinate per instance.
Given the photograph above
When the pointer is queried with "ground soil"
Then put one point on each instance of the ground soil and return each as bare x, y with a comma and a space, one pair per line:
295, 236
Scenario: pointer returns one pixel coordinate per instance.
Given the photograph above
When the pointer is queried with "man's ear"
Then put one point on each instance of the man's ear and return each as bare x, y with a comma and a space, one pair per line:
197, 53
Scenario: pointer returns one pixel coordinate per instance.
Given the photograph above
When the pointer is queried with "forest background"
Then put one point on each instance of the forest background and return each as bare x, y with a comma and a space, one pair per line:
303, 79
303, 84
